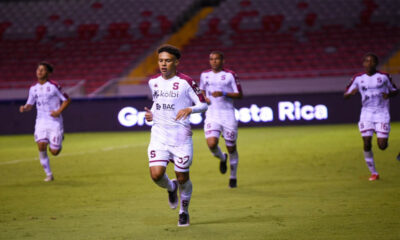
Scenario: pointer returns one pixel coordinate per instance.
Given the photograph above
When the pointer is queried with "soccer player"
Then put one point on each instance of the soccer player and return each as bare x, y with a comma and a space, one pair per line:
221, 86
47, 96
171, 137
375, 88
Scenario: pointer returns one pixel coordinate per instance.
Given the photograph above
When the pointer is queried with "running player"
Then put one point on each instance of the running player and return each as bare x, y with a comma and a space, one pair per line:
171, 137
375, 88
47, 96
221, 86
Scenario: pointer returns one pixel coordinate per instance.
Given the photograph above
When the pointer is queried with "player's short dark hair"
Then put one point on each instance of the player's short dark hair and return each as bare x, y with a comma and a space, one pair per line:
171, 50
221, 54
47, 65
373, 55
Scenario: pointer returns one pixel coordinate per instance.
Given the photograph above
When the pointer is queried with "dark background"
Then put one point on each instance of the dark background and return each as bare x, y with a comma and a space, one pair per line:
89, 115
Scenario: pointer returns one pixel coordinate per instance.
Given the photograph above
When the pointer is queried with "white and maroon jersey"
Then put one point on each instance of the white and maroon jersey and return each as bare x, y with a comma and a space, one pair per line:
170, 96
374, 107
225, 81
47, 97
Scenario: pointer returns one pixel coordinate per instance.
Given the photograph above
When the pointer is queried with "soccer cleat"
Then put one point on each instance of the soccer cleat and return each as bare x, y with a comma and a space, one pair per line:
233, 183
183, 220
373, 177
222, 164
173, 196
49, 178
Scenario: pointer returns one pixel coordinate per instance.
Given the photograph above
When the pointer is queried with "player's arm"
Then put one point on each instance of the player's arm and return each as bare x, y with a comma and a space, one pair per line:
29, 103
62, 107
25, 108
199, 101
393, 90
205, 97
148, 115
351, 89
236, 87
347, 94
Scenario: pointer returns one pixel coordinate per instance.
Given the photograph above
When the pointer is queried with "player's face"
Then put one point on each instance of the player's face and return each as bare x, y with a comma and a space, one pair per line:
167, 64
369, 63
41, 72
216, 62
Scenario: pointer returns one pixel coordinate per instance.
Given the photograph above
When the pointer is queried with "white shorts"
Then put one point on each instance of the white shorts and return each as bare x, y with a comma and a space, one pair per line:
161, 154
52, 135
213, 129
367, 129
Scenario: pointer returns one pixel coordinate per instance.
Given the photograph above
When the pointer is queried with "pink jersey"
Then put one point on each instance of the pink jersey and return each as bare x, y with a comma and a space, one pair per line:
225, 81
170, 96
47, 97
374, 107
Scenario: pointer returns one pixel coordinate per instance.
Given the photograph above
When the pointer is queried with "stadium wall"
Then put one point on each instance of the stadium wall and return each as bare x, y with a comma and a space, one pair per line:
127, 114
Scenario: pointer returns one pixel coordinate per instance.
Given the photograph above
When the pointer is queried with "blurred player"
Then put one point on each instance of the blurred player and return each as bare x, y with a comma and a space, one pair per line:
375, 88
49, 123
221, 86
171, 136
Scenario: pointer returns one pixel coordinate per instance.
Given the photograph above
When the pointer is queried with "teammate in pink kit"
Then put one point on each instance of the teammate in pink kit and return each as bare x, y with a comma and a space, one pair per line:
171, 137
49, 128
375, 88
221, 86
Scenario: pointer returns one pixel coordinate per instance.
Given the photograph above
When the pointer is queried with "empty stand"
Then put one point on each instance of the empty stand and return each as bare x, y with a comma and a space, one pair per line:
91, 40
285, 38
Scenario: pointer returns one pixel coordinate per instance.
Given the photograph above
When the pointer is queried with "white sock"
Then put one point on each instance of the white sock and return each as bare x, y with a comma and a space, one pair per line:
44, 160
218, 153
185, 192
233, 161
165, 182
369, 159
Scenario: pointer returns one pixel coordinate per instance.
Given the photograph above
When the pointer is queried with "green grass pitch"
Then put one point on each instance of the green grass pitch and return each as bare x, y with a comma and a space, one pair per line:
305, 182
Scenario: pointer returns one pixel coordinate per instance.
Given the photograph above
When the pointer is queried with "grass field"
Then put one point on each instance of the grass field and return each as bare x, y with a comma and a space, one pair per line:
306, 182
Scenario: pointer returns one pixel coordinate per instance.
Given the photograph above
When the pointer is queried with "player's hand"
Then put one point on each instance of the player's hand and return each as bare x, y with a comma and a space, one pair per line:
207, 100
385, 95
21, 109
216, 94
148, 115
55, 114
183, 114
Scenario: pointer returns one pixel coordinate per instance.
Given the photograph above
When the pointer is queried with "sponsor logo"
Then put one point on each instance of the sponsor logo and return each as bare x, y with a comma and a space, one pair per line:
165, 94
287, 111
165, 106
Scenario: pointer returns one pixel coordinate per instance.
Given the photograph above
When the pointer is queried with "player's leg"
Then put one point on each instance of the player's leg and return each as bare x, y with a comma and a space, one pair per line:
185, 193
183, 156
368, 155
158, 161
230, 136
41, 138
398, 156
382, 134
55, 139
382, 143
212, 132
367, 131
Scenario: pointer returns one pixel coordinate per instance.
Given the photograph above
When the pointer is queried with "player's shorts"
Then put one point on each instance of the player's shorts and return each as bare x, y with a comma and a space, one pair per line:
367, 129
53, 135
213, 129
161, 154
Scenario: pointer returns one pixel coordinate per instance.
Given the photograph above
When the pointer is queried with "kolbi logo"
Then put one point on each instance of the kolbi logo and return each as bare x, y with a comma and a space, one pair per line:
166, 94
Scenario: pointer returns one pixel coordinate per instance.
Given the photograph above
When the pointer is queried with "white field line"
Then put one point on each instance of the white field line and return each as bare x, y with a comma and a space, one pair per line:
106, 149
